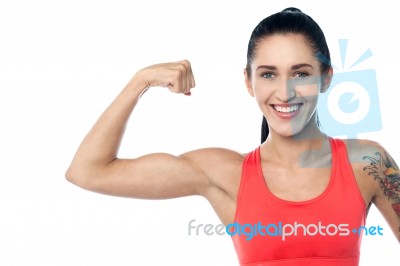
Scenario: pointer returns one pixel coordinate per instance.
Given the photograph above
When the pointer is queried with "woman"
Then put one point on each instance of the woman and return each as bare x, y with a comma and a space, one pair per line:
300, 198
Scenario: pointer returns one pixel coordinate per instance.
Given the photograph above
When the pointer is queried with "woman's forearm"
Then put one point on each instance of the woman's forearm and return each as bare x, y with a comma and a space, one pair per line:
100, 146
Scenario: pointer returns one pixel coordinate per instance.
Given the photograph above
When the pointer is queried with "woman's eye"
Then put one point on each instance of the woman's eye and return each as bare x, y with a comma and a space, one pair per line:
301, 75
268, 75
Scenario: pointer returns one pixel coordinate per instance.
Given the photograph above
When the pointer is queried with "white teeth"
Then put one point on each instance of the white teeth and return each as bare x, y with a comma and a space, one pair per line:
288, 109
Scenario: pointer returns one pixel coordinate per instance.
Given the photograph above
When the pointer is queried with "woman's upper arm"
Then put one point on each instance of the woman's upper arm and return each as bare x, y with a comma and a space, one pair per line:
156, 176
381, 167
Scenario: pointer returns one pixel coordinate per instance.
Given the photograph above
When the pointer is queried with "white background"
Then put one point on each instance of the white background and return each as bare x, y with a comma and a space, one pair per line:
63, 62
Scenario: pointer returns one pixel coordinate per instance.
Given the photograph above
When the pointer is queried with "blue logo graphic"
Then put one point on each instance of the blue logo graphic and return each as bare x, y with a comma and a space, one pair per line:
351, 104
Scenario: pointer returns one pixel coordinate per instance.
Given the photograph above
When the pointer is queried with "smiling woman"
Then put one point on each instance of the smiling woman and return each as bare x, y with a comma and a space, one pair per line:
298, 175
293, 75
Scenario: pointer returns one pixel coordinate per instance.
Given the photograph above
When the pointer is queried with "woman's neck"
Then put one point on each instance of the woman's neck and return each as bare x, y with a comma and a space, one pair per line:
303, 149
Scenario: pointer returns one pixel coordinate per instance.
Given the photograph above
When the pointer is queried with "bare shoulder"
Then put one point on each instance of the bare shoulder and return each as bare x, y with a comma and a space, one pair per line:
222, 167
372, 165
216, 155
362, 153
371, 156
359, 150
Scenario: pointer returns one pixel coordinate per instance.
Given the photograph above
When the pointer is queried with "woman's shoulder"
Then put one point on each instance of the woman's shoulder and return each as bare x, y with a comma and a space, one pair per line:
223, 167
217, 154
363, 153
216, 159
359, 150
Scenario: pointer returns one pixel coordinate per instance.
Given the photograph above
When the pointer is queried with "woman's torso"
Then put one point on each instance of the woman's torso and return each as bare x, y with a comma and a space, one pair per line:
289, 229
227, 171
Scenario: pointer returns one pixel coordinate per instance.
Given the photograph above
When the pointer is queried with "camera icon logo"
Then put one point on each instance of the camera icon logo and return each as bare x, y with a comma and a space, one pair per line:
351, 104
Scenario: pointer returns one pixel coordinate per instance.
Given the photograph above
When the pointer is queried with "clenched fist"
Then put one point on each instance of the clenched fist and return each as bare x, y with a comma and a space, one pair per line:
176, 76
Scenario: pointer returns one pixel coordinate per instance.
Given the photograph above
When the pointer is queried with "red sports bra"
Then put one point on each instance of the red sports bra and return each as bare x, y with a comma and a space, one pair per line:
322, 231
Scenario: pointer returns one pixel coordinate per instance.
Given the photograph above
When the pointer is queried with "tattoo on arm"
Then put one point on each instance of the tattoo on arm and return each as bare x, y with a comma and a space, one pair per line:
383, 169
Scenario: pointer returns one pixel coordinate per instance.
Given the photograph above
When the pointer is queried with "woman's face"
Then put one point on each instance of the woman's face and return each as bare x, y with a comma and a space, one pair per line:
286, 82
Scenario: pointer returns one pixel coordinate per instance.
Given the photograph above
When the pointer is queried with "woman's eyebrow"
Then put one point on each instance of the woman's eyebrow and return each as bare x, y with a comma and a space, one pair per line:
297, 66
267, 67
294, 67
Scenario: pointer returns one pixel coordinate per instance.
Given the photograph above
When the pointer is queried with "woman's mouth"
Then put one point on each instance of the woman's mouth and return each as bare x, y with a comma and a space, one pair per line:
287, 110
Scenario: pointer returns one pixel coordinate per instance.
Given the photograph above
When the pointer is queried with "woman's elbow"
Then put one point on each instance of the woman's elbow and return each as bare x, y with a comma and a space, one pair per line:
76, 177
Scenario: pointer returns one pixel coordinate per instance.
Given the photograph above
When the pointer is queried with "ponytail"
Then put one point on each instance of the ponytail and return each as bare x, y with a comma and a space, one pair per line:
264, 130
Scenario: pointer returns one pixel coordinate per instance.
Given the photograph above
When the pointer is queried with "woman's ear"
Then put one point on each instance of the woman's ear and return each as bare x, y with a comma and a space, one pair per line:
248, 82
326, 80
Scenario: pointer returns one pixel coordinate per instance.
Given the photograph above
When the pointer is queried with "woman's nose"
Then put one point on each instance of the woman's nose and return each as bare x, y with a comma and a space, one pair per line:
286, 90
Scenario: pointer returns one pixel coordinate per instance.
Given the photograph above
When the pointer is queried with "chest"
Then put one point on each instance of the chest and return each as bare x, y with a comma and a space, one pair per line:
297, 184
302, 184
